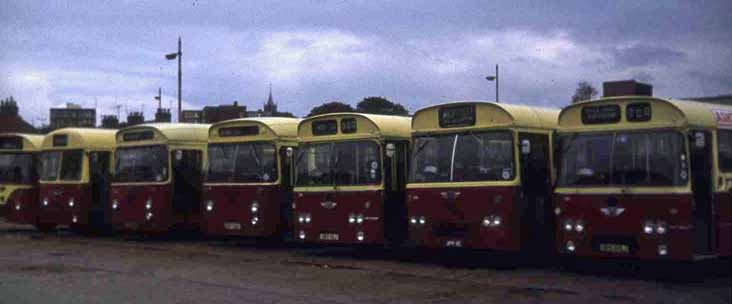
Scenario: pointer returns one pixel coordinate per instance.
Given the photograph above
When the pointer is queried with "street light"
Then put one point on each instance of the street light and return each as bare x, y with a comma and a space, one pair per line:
494, 78
173, 56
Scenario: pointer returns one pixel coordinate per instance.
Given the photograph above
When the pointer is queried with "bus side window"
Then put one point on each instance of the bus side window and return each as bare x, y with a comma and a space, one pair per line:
724, 150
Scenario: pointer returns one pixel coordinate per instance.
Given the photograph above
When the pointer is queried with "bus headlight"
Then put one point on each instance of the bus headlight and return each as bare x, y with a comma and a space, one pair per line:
648, 227
17, 207
579, 226
359, 219
308, 218
148, 204
255, 207
71, 202
351, 219
422, 220
661, 227
255, 220
74, 219
45, 202
304, 218
209, 205
360, 236
115, 205
486, 221
149, 216
568, 225
497, 220
413, 220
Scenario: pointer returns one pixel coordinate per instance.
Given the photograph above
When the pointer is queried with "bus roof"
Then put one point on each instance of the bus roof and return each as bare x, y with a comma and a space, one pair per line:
265, 128
20, 142
366, 125
163, 133
662, 113
488, 114
79, 138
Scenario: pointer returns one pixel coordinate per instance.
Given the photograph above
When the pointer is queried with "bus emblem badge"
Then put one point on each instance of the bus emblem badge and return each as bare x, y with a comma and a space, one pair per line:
612, 211
328, 204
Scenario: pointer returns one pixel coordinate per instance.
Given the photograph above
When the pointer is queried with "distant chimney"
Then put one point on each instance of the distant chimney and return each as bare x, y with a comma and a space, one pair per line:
626, 88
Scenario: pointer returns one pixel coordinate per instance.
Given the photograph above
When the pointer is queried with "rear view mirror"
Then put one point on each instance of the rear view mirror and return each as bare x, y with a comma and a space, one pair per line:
525, 147
390, 149
699, 140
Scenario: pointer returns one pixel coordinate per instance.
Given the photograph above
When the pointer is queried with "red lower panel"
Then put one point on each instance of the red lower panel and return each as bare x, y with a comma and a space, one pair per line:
724, 224
22, 206
613, 226
54, 206
232, 213
453, 217
132, 212
329, 213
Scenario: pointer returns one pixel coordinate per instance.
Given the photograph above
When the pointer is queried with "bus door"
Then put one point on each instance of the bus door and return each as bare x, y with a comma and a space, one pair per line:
537, 220
395, 209
285, 191
99, 178
702, 186
187, 166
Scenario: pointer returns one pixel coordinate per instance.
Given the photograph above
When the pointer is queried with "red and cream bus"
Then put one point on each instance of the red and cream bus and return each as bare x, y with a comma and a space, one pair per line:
645, 178
480, 177
247, 190
76, 165
350, 179
18, 177
157, 182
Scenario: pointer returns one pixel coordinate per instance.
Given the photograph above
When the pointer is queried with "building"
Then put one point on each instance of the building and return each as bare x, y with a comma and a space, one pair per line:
626, 88
269, 109
73, 115
212, 114
135, 118
191, 116
163, 115
10, 121
110, 122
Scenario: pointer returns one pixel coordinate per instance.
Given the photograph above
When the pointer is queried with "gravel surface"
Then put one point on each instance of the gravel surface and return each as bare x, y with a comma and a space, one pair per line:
65, 268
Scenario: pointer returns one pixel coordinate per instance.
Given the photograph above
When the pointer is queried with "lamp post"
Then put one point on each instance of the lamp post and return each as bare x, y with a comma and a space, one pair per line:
173, 56
494, 78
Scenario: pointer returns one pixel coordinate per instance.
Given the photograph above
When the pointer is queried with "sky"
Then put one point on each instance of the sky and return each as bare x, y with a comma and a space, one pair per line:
417, 53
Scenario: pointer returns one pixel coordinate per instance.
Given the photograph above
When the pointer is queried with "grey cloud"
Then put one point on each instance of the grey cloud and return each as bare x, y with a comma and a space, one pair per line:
645, 55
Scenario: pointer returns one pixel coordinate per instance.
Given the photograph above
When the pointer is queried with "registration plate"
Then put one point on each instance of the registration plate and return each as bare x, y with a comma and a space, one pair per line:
454, 243
329, 236
615, 248
131, 225
232, 226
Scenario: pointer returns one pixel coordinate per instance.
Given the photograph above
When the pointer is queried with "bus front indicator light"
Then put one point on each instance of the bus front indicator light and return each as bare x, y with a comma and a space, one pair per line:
255, 220
209, 205
115, 205
486, 221
570, 246
662, 249
302, 235
17, 207
149, 216
360, 236
45, 202
71, 202
148, 204
255, 207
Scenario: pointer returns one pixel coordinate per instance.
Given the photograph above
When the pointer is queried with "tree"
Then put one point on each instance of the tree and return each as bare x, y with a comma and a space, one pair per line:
584, 91
380, 105
331, 107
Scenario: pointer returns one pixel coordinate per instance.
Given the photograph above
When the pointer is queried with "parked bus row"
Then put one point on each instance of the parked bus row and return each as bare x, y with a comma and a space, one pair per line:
619, 177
